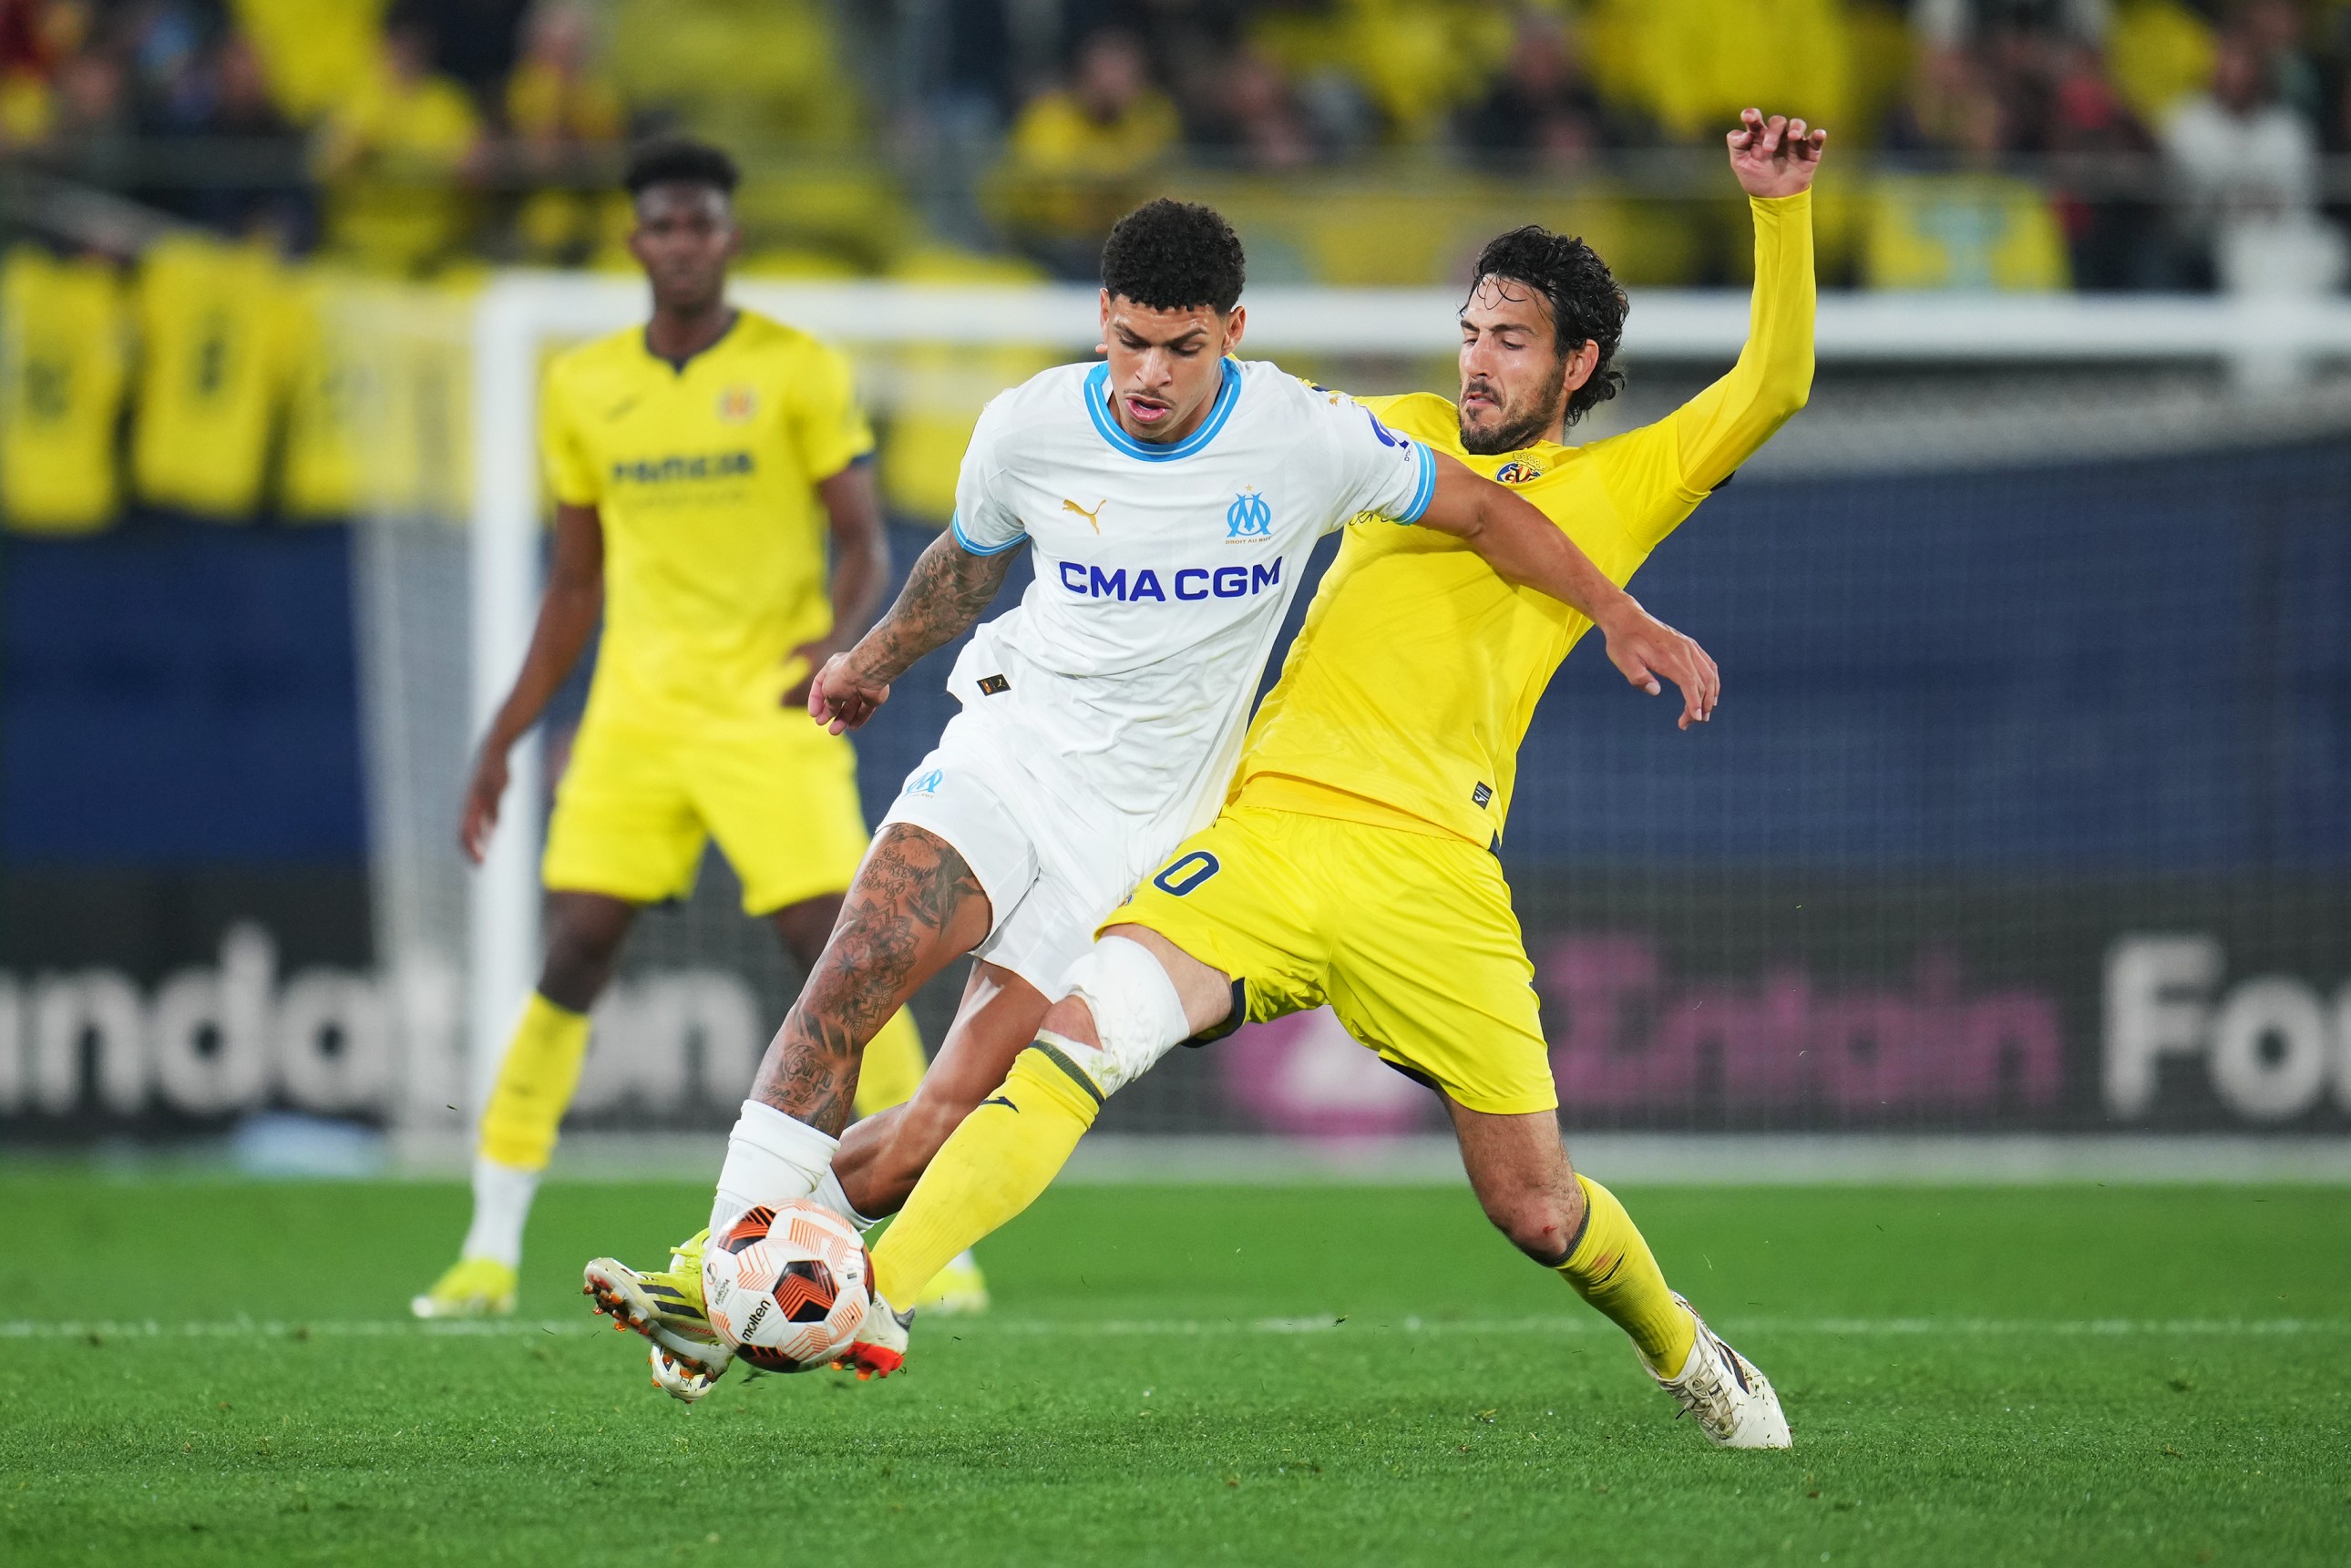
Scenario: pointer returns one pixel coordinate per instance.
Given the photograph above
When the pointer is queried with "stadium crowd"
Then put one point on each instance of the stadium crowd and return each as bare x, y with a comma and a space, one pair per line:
271, 147
405, 133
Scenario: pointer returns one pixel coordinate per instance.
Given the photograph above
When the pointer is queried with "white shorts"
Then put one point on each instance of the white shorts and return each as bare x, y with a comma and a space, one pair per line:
1050, 874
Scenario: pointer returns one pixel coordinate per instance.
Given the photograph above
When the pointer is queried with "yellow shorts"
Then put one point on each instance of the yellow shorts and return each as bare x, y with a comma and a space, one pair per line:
638, 803
1409, 938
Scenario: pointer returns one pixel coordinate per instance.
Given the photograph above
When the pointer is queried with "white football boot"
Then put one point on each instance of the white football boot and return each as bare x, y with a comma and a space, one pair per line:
879, 1348
665, 1306
1733, 1402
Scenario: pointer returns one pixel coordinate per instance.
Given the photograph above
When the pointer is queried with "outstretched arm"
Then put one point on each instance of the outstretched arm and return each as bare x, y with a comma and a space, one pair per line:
1524, 547
944, 595
1774, 160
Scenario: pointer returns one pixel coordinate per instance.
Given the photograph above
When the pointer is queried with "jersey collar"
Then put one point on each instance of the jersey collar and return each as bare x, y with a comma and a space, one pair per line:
677, 366
1098, 405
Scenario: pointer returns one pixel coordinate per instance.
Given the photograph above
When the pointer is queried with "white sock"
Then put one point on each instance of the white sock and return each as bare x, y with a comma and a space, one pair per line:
834, 1197
502, 1196
771, 1159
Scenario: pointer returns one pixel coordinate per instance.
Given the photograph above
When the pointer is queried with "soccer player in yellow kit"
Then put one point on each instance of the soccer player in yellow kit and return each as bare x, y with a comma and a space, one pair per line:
698, 463
1354, 863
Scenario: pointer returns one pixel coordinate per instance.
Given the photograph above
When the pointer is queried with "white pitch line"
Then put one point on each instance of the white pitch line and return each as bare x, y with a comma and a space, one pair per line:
393, 1328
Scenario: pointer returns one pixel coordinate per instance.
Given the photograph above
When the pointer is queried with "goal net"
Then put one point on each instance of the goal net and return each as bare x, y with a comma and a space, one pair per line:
2028, 806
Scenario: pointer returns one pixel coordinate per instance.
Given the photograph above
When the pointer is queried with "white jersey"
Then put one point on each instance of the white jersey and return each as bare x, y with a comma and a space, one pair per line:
1122, 681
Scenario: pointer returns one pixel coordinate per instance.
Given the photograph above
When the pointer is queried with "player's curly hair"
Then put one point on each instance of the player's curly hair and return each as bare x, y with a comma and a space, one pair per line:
679, 161
1587, 305
1173, 256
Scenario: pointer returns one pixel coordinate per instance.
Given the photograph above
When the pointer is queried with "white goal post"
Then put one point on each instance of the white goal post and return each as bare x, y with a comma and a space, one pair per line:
2264, 345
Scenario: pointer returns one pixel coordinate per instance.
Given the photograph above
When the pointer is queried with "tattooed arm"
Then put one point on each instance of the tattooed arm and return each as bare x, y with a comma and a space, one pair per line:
944, 595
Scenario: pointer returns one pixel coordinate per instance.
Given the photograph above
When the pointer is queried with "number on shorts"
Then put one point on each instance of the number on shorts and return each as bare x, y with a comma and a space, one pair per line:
1187, 872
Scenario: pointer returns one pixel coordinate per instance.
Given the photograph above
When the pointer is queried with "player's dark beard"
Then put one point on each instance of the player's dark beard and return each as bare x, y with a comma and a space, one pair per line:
1531, 425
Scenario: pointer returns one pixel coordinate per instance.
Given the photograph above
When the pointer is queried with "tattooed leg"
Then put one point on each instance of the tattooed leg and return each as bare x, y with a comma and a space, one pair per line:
915, 908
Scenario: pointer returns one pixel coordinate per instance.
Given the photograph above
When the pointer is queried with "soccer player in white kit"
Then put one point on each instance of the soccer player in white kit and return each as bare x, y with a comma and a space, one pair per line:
1171, 496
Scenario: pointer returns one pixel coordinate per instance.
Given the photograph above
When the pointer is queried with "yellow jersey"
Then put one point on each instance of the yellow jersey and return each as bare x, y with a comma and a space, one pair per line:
703, 476
63, 353
1404, 697
212, 360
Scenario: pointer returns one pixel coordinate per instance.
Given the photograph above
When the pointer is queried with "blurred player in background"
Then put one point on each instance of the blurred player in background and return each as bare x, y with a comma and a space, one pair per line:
1355, 862
1171, 494
697, 465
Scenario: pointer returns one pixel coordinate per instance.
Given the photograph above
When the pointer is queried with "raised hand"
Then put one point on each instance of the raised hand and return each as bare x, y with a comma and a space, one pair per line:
1644, 649
1774, 157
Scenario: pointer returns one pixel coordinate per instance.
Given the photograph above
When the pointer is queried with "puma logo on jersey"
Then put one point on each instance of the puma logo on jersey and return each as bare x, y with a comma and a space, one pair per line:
1093, 519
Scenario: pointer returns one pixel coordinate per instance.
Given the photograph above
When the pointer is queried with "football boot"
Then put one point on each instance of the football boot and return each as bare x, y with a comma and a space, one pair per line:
473, 1288
665, 1306
1734, 1403
879, 1347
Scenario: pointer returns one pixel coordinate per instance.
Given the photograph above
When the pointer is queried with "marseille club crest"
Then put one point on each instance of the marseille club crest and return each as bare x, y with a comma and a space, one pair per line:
1248, 518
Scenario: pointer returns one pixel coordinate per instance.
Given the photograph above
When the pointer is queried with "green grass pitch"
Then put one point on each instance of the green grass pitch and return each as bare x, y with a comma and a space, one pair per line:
2074, 1376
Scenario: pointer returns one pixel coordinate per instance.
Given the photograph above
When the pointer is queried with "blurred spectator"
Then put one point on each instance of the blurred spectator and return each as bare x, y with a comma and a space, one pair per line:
250, 170
745, 74
1077, 154
2273, 29
1192, 46
2159, 52
1953, 107
1545, 104
392, 158
1261, 123
2113, 234
2245, 171
169, 49
1407, 65
475, 42
93, 100
28, 56
557, 98
560, 109
1691, 65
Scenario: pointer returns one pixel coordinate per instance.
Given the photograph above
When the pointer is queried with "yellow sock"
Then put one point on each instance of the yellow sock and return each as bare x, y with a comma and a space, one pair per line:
1003, 1156
1612, 1268
535, 1083
891, 1067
